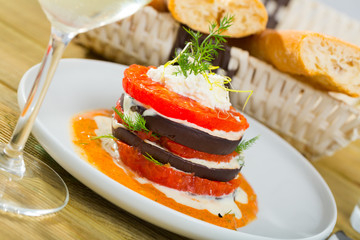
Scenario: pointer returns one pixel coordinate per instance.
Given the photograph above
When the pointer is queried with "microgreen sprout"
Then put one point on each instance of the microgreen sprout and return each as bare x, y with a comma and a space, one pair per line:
137, 124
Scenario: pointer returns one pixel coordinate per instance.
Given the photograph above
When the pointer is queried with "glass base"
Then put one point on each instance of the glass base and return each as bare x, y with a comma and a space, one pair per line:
355, 217
39, 191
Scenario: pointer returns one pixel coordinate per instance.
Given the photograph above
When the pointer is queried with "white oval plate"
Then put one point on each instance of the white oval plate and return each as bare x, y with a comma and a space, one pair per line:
294, 201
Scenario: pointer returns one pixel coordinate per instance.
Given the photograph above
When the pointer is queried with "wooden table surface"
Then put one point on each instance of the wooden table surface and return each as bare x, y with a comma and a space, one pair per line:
24, 33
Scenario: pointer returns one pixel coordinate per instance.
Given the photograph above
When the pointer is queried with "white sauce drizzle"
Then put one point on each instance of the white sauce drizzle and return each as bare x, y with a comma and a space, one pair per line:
241, 196
127, 103
215, 205
108, 144
104, 128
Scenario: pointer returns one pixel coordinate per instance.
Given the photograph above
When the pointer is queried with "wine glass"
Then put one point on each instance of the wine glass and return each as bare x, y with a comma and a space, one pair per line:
355, 217
28, 186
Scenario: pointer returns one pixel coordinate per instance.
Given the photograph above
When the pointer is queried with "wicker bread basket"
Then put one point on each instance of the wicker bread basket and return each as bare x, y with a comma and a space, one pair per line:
313, 16
146, 38
313, 121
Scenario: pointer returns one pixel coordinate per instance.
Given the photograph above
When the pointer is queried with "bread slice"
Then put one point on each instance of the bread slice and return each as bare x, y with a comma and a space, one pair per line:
323, 61
250, 16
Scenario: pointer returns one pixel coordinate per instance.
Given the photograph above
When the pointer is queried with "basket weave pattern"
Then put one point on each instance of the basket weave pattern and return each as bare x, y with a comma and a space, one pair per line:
144, 38
311, 120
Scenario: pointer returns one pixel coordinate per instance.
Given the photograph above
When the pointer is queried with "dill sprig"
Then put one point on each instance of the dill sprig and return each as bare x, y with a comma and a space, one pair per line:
137, 124
246, 144
151, 159
197, 55
103, 136
197, 58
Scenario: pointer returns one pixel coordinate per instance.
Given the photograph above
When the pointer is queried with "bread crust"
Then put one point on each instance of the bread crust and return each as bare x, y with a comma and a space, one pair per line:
322, 61
250, 16
159, 5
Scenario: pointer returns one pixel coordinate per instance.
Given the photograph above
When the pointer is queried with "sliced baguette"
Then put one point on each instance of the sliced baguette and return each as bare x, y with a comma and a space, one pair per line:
323, 61
250, 16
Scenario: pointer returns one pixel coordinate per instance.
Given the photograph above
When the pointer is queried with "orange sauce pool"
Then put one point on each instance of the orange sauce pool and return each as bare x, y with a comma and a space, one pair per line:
84, 126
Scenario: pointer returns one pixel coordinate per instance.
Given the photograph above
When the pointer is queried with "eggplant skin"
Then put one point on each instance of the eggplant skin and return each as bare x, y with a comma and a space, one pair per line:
190, 137
163, 156
185, 135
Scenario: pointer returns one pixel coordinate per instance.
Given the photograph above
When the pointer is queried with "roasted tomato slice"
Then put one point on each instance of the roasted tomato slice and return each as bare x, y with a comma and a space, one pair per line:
187, 152
172, 178
168, 103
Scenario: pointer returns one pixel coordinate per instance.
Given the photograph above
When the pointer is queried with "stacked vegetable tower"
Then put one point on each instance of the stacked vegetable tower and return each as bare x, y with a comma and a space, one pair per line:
176, 125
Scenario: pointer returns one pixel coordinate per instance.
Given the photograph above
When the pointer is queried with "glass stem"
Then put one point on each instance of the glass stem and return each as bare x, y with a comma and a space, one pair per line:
11, 158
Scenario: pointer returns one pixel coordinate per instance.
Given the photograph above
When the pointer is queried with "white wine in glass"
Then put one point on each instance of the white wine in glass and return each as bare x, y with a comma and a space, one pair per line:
28, 186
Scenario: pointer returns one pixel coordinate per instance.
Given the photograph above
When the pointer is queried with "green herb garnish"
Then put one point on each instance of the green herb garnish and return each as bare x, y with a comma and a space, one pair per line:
241, 160
197, 57
151, 159
137, 124
244, 145
229, 212
103, 136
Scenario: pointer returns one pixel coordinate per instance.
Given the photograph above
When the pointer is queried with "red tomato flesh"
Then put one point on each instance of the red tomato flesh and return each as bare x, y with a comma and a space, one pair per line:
172, 178
187, 152
168, 103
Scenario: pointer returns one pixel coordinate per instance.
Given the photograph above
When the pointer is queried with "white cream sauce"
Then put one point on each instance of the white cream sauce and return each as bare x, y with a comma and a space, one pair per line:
215, 205
127, 104
209, 91
108, 144
104, 128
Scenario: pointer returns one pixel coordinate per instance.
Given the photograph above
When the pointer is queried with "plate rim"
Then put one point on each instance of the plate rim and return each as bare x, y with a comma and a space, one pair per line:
214, 230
